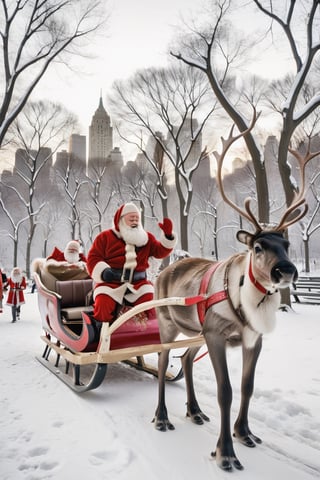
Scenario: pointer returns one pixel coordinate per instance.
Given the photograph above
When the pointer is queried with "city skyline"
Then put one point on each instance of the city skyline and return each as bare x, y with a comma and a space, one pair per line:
130, 42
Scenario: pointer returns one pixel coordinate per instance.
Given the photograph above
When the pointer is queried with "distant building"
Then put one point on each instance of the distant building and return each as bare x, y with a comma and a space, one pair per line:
62, 160
27, 162
77, 147
116, 157
100, 138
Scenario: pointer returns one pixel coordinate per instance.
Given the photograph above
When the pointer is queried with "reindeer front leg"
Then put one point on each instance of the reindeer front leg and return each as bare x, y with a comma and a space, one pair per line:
241, 427
224, 454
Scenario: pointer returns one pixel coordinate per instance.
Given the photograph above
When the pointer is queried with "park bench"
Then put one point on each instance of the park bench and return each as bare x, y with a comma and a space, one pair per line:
306, 289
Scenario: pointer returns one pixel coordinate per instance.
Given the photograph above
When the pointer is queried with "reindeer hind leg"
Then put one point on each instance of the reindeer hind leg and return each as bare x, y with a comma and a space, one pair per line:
168, 332
193, 409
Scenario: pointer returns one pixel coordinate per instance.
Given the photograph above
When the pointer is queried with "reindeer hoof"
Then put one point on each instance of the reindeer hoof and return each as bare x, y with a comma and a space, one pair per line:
227, 463
162, 425
249, 440
198, 418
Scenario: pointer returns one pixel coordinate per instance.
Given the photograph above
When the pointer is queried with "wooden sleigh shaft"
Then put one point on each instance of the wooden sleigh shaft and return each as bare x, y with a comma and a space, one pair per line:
104, 354
107, 329
122, 354
78, 362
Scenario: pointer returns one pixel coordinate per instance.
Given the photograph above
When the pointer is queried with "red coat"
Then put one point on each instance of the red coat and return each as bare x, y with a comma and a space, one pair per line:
15, 295
108, 250
1, 290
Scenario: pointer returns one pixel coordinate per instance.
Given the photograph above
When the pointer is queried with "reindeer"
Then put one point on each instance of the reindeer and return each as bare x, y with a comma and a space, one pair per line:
242, 297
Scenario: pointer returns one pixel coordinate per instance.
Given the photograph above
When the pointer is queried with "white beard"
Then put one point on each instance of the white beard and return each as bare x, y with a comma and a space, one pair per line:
71, 257
16, 278
134, 236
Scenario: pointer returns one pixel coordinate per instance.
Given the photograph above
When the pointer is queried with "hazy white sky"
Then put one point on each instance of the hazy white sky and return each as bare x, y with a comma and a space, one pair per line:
137, 36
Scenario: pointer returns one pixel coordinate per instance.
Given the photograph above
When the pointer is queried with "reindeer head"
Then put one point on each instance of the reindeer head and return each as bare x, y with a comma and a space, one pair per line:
269, 261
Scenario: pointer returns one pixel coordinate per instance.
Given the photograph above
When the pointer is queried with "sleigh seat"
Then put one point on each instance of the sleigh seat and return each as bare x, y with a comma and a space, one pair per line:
74, 299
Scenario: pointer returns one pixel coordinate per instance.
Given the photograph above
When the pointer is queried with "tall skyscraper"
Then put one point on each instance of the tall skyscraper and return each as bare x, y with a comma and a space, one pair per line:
100, 138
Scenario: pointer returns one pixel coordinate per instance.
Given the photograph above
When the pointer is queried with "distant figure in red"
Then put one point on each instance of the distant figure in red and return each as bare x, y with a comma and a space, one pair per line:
1, 291
69, 264
17, 284
118, 260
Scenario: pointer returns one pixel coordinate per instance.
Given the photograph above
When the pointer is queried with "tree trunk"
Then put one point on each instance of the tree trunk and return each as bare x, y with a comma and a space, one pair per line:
306, 255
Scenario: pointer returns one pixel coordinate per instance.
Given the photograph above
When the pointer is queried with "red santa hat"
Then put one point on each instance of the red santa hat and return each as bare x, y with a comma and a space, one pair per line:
124, 210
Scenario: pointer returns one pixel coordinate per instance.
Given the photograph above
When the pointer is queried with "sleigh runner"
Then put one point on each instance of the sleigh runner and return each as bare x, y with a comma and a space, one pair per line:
78, 349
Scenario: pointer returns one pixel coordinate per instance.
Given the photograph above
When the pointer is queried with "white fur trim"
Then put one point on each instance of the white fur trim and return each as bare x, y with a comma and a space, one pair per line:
166, 242
119, 293
116, 293
131, 258
73, 244
135, 294
97, 271
130, 208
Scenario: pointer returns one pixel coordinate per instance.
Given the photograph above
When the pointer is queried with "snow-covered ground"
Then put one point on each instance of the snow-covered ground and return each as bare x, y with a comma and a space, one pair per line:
49, 432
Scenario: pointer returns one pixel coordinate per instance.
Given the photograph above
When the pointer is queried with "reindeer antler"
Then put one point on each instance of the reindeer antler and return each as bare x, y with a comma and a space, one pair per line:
226, 144
299, 198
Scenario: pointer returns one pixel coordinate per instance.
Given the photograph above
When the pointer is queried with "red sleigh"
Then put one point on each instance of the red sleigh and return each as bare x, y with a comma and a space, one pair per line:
78, 349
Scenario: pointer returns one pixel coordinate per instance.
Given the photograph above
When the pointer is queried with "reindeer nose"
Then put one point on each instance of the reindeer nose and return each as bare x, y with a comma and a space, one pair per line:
284, 271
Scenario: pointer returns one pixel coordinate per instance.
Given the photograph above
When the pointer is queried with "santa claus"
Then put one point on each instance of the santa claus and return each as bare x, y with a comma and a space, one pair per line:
17, 284
69, 264
118, 260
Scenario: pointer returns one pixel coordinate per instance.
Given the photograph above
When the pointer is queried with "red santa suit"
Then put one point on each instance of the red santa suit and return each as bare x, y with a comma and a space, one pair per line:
126, 264
15, 295
1, 291
67, 265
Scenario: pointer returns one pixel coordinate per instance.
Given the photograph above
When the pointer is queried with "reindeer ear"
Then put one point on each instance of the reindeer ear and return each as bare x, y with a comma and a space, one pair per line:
245, 237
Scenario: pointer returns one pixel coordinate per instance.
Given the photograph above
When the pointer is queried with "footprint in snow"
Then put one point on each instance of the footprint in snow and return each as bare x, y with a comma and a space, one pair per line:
35, 463
112, 460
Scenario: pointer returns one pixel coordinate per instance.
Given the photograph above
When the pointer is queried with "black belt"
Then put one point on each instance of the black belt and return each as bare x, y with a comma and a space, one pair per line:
120, 275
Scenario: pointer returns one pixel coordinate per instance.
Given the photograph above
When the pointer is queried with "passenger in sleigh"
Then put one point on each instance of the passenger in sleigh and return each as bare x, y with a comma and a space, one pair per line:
118, 261
69, 264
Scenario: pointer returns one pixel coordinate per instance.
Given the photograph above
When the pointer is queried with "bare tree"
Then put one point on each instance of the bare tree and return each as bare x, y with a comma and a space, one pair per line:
49, 222
34, 34
15, 227
176, 100
73, 184
101, 193
311, 223
140, 182
210, 46
304, 47
40, 124
216, 50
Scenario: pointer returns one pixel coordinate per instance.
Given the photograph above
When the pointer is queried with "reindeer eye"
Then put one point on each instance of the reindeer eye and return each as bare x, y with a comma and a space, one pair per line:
257, 249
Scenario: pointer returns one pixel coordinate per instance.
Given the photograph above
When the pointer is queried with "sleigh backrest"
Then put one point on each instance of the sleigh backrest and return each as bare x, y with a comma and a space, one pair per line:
74, 293
48, 280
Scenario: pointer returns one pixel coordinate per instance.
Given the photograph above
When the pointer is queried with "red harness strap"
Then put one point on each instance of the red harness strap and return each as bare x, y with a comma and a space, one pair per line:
255, 281
214, 298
